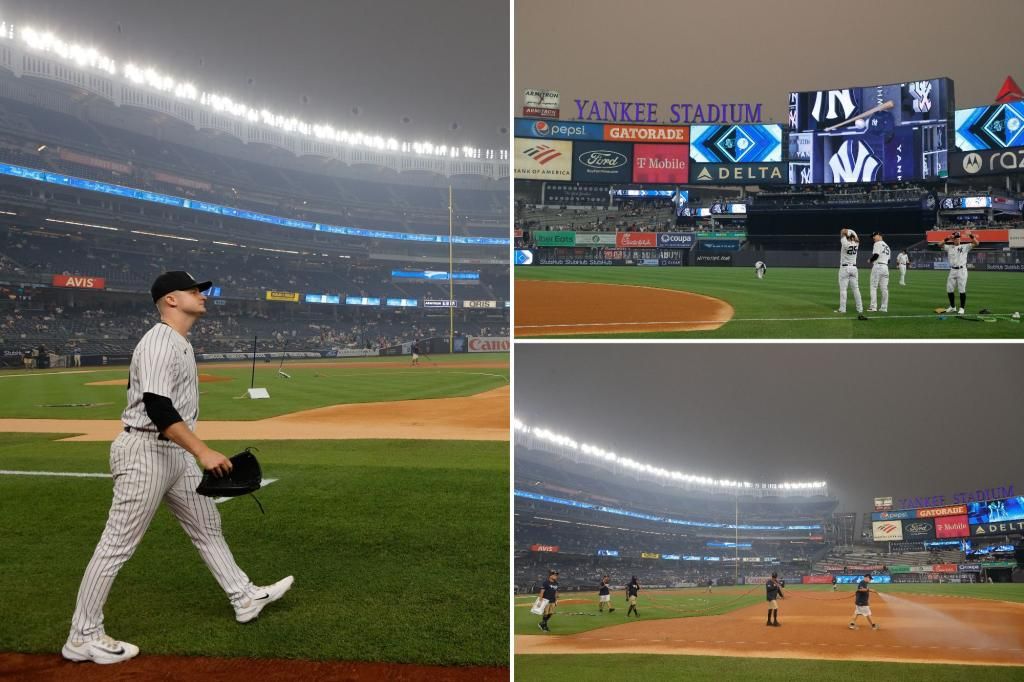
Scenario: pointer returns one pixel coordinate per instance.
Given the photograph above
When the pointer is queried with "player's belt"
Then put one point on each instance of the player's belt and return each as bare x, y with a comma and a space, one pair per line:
149, 432
956, 267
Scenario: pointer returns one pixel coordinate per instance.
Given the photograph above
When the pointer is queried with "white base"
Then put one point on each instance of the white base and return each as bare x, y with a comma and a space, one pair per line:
257, 393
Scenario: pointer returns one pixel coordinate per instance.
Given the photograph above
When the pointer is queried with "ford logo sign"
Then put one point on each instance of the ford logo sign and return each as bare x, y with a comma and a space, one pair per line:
602, 159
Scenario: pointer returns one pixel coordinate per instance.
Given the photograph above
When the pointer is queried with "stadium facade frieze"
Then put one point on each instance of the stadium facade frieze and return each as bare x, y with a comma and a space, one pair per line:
618, 111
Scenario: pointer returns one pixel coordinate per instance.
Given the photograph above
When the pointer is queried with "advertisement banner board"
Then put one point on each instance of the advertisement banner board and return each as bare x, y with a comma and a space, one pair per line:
602, 162
884, 531
542, 159
952, 527
661, 163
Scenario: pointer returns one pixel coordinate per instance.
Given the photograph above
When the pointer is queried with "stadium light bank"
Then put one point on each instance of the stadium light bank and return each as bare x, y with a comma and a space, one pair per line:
545, 439
89, 58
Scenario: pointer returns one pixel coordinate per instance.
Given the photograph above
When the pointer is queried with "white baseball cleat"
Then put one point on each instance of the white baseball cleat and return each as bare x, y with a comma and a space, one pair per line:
841, 312
250, 608
103, 650
950, 309
852, 626
960, 311
872, 310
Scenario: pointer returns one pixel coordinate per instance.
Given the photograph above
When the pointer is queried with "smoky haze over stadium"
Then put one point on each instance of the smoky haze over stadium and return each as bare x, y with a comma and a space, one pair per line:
871, 420
434, 71
751, 51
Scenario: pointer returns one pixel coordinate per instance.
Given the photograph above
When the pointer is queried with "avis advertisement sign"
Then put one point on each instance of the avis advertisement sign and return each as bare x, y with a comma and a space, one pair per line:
887, 530
543, 548
952, 527
79, 282
661, 163
488, 344
636, 239
543, 159
602, 162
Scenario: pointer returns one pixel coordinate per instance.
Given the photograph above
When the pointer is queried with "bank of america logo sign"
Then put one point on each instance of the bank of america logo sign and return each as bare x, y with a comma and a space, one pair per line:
542, 153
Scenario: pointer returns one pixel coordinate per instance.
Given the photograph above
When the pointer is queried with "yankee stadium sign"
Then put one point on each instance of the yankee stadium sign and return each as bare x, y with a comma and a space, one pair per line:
980, 495
614, 111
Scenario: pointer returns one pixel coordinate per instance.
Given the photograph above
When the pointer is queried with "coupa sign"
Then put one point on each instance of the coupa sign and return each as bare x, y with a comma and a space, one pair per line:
675, 240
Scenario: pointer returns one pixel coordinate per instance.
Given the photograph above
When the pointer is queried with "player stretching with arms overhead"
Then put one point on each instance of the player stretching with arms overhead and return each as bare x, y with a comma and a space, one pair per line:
879, 273
957, 279
849, 243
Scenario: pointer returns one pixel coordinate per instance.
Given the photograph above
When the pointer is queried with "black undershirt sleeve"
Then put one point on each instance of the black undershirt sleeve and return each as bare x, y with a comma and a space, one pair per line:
160, 410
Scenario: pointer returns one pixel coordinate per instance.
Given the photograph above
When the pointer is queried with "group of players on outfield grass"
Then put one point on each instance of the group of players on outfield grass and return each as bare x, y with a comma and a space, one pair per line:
544, 605
956, 253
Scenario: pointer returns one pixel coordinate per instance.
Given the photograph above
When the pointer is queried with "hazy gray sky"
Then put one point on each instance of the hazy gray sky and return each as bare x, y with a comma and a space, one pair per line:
871, 419
437, 63
758, 50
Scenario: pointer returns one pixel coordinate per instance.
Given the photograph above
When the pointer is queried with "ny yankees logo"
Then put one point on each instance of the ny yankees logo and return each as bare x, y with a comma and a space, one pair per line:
842, 97
921, 91
853, 162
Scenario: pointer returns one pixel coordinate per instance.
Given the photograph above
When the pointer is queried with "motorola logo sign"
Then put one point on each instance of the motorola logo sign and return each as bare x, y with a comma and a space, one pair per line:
993, 162
972, 163
602, 159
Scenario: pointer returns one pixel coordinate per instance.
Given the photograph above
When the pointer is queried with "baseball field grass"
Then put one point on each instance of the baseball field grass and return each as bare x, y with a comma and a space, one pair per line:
75, 394
399, 551
657, 667
798, 303
399, 547
577, 612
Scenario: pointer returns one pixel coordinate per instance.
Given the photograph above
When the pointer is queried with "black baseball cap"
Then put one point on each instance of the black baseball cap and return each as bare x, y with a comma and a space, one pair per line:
175, 280
956, 234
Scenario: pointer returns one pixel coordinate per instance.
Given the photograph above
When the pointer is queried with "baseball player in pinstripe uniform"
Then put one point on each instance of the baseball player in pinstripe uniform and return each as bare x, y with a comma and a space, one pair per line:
154, 460
957, 278
849, 243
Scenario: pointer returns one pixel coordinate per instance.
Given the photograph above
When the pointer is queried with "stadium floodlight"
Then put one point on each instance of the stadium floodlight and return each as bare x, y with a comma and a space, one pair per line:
597, 453
83, 57
90, 58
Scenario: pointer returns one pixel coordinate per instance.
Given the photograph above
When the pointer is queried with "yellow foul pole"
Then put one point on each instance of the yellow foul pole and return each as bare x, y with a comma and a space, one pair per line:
451, 283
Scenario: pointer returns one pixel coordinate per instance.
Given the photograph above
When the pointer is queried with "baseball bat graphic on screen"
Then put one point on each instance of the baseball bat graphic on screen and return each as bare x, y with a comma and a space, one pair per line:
884, 106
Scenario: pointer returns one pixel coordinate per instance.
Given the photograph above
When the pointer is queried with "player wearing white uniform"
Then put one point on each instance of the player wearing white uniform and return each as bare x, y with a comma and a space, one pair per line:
957, 279
760, 268
879, 273
850, 243
902, 261
150, 463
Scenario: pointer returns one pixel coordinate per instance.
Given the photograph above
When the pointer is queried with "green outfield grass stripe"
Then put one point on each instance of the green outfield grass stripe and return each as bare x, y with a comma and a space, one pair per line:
71, 474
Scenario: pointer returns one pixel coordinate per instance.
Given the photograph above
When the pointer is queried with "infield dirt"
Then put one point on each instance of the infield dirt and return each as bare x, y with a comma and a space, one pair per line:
561, 308
913, 629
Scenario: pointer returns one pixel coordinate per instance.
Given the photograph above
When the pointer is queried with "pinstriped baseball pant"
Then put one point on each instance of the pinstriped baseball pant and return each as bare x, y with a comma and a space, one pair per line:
147, 471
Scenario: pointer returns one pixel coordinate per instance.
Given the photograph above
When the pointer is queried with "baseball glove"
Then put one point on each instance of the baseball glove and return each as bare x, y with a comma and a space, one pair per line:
246, 477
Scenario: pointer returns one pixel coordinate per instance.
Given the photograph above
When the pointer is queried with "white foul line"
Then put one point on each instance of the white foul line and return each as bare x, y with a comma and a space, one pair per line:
837, 316
70, 474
